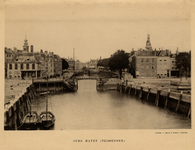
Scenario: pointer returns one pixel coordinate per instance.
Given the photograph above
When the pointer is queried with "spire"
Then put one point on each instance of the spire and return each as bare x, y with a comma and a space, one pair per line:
25, 47
148, 44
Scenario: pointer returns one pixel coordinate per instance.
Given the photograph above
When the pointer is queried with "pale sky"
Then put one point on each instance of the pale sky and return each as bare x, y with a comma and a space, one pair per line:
97, 29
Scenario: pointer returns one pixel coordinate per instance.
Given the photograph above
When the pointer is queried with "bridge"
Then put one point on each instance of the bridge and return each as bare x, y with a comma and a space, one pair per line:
87, 78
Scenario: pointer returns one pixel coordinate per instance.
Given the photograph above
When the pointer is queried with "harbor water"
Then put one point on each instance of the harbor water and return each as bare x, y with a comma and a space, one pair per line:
89, 109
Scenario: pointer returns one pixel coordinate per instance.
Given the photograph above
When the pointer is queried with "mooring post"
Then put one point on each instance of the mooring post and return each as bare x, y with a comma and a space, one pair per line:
178, 103
167, 98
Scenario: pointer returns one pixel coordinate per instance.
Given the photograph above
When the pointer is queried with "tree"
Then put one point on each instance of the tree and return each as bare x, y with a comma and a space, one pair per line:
65, 64
182, 72
104, 62
183, 59
118, 61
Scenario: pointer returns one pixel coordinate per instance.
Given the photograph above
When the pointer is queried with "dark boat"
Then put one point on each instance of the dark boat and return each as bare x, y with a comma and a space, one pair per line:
47, 119
30, 121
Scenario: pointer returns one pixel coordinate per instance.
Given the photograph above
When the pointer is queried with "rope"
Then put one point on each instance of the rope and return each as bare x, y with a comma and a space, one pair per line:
20, 125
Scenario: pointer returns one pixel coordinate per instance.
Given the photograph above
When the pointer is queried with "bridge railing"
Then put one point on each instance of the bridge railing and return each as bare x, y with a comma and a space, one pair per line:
49, 79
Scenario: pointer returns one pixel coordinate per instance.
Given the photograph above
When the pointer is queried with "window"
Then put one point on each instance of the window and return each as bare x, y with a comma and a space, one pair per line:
152, 67
160, 60
10, 66
146, 59
16, 66
147, 67
33, 66
27, 66
165, 60
172, 61
21, 66
152, 59
142, 60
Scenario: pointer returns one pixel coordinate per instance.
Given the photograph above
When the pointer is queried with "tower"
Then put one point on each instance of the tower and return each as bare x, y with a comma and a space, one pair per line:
26, 47
148, 44
177, 51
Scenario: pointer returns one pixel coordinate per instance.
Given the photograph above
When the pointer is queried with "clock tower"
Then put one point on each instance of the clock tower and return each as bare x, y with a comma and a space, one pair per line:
148, 44
26, 47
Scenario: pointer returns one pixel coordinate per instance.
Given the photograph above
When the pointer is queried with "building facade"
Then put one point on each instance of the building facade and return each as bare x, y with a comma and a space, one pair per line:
27, 64
146, 66
163, 66
23, 66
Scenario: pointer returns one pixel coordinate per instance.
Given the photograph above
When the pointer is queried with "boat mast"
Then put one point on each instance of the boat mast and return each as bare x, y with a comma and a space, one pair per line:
47, 98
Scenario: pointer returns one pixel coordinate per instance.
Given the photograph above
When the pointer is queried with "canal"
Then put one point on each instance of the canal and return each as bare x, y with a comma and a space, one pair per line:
89, 109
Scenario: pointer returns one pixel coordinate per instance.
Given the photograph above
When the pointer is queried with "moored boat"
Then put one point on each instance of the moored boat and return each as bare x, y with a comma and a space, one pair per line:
47, 119
30, 121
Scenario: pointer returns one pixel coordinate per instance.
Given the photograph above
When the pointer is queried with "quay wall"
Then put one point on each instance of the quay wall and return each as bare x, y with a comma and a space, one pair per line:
167, 99
15, 111
17, 108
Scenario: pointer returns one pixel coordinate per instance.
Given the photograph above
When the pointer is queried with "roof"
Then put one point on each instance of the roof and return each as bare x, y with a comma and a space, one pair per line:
8, 50
25, 58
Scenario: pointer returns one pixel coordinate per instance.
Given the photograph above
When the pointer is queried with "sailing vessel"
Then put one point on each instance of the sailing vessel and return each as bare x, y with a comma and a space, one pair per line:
47, 118
30, 120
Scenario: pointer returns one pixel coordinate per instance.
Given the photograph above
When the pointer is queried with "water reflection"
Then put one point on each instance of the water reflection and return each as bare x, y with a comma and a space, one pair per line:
89, 109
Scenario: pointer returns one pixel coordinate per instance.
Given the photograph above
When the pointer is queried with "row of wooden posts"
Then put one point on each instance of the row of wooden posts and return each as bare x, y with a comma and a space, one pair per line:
163, 98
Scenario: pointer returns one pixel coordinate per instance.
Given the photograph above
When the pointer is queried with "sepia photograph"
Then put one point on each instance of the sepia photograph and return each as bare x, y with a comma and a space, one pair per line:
97, 67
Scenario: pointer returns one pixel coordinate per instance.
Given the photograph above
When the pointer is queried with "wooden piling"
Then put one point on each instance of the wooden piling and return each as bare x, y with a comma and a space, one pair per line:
130, 89
167, 98
189, 112
157, 97
121, 88
178, 103
148, 94
141, 92
15, 121
54, 87
135, 90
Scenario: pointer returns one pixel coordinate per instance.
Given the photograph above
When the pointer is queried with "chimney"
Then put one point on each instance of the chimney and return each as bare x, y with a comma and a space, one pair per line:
31, 48
41, 51
46, 52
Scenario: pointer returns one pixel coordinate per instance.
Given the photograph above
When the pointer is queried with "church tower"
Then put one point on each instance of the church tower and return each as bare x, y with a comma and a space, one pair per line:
148, 44
26, 47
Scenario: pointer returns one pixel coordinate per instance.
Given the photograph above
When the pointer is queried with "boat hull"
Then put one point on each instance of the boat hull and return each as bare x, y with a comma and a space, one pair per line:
30, 121
47, 119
